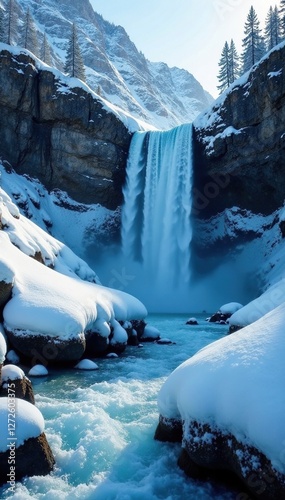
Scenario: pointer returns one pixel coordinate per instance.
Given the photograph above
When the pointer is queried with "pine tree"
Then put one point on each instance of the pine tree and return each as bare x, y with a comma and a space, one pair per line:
74, 63
2, 26
29, 34
234, 62
11, 22
253, 42
224, 73
282, 17
272, 28
45, 51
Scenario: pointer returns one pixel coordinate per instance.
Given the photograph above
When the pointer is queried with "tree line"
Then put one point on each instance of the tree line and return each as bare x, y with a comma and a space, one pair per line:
255, 44
27, 37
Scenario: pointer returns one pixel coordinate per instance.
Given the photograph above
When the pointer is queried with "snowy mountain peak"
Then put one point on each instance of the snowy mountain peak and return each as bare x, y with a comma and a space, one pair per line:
161, 96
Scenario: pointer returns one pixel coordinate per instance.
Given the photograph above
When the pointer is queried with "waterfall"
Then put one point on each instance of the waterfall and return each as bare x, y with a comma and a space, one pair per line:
156, 227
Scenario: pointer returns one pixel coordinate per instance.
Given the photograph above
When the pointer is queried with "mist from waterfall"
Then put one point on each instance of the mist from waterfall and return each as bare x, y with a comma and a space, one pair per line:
154, 261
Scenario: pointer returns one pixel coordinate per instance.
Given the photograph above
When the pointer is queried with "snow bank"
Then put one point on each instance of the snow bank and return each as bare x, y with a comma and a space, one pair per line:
29, 422
236, 384
49, 303
33, 240
6, 271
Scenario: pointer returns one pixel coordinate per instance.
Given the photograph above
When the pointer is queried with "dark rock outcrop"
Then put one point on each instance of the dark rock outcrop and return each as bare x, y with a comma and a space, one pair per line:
209, 454
63, 136
47, 350
240, 144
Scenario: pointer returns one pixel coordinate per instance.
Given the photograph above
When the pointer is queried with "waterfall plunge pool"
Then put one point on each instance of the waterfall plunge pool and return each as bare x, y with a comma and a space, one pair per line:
101, 424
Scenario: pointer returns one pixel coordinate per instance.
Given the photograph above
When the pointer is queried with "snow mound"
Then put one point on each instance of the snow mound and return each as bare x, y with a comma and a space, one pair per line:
12, 372
230, 308
38, 371
237, 385
30, 422
50, 303
86, 364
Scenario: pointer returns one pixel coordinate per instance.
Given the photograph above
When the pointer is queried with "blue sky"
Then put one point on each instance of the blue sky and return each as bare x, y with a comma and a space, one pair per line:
189, 34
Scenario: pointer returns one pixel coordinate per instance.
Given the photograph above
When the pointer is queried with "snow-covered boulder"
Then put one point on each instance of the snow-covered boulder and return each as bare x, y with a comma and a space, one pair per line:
192, 322
225, 312
229, 399
49, 312
24, 450
38, 371
13, 376
150, 334
86, 364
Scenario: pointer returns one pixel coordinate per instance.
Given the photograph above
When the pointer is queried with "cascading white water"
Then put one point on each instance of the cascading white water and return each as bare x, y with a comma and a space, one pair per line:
156, 226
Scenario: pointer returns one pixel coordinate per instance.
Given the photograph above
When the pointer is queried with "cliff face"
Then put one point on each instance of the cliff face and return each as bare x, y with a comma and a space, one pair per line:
240, 144
61, 135
158, 95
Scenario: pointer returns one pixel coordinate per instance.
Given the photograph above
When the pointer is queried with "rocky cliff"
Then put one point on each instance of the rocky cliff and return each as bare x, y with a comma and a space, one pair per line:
159, 95
63, 135
240, 143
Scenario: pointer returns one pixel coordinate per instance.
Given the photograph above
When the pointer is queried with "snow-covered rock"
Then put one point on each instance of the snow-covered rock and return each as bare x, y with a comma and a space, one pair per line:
38, 371
12, 372
14, 381
234, 387
150, 334
86, 364
51, 309
192, 321
225, 312
24, 450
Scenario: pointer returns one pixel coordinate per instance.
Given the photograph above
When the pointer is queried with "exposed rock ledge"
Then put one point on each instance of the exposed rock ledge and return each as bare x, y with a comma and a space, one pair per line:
207, 449
62, 135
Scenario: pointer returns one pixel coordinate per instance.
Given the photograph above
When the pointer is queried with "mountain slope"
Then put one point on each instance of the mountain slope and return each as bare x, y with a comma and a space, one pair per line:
159, 95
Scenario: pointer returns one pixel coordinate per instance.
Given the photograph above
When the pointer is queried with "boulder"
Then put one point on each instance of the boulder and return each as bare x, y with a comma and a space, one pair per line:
13, 376
192, 321
33, 458
206, 449
96, 345
46, 350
